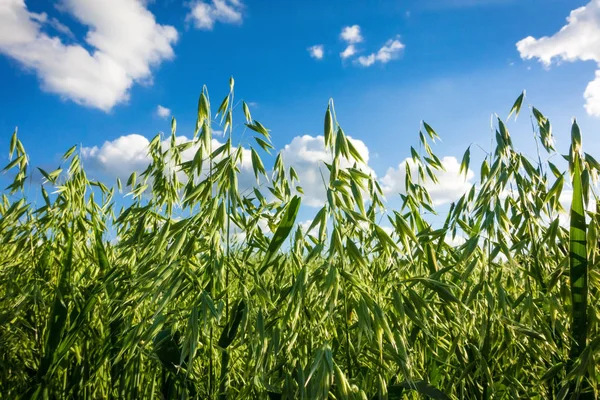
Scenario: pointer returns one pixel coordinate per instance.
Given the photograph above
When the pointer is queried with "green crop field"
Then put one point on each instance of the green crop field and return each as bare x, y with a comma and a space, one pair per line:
191, 287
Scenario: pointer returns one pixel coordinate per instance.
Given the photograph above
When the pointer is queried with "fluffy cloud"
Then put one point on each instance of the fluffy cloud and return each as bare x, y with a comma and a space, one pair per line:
120, 157
307, 155
351, 34
163, 112
450, 187
316, 51
592, 96
204, 15
348, 52
579, 40
123, 36
390, 51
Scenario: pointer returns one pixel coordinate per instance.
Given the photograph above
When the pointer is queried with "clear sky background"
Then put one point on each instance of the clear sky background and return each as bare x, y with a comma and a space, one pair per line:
94, 73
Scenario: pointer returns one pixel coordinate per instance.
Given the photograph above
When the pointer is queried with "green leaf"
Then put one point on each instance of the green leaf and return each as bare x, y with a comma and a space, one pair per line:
258, 127
341, 144
384, 238
317, 219
257, 164
354, 152
396, 392
328, 128
464, 165
223, 107
50, 177
575, 137
440, 288
553, 371
14, 162
231, 329
516, 108
246, 112
69, 152
58, 316
354, 253
203, 109
283, 230
263, 144
132, 179
432, 134
578, 255
13, 144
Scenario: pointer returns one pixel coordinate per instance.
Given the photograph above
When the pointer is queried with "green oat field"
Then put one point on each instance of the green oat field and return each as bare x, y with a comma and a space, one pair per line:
177, 284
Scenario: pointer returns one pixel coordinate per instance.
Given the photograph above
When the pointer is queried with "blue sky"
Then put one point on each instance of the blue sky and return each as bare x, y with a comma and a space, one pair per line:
79, 73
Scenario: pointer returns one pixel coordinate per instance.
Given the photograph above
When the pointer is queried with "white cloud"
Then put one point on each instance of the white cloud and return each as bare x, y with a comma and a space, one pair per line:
390, 51
307, 154
124, 37
351, 34
445, 4
386, 228
367, 61
455, 241
565, 198
592, 96
579, 40
163, 112
450, 187
306, 224
61, 28
204, 14
53, 23
348, 52
316, 51
120, 157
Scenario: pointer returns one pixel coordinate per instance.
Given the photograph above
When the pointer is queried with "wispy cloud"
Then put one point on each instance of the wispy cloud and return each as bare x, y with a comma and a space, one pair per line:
53, 23
163, 112
348, 52
204, 15
445, 4
390, 51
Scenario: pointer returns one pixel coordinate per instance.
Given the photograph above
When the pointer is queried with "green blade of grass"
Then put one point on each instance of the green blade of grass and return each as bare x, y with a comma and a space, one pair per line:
578, 272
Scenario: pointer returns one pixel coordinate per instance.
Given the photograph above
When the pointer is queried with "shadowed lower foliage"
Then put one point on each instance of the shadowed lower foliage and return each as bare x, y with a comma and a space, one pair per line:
196, 288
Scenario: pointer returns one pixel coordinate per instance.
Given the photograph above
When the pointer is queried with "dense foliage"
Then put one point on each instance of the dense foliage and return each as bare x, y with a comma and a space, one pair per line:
209, 291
